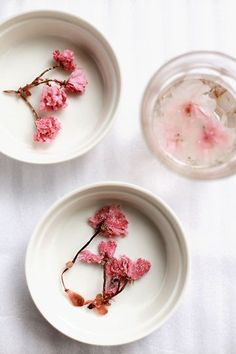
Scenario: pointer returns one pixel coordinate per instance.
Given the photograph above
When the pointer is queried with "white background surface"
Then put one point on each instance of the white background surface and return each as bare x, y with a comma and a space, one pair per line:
144, 34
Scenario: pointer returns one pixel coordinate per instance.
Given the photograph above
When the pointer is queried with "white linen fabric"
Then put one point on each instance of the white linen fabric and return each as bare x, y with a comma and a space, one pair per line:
144, 34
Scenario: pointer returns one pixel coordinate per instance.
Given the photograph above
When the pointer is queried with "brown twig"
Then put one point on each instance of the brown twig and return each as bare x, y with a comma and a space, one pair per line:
98, 229
44, 72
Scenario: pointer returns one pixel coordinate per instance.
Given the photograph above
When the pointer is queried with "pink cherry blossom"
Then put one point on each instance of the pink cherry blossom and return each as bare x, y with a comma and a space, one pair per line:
214, 135
125, 267
107, 249
76, 82
138, 268
47, 128
88, 257
52, 98
65, 59
119, 267
114, 222
185, 96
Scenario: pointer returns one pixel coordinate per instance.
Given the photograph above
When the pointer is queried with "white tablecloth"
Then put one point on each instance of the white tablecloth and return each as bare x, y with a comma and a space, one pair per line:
144, 34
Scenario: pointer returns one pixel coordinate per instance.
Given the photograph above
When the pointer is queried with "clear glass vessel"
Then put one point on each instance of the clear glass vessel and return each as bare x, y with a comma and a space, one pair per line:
189, 114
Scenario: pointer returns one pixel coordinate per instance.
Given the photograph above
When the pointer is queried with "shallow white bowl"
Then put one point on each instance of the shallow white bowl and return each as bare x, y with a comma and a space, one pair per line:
26, 45
154, 234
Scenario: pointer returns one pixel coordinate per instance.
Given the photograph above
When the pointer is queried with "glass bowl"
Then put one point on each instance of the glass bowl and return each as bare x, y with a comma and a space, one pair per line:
188, 114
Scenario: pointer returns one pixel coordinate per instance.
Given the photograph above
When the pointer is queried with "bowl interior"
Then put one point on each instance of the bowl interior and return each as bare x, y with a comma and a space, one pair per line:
141, 307
26, 46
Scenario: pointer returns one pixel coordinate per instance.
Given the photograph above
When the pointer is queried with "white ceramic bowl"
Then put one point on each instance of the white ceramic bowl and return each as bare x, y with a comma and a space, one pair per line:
154, 234
26, 45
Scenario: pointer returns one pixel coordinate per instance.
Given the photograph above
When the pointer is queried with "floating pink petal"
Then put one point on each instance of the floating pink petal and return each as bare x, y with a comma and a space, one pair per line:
66, 59
52, 98
107, 249
89, 257
47, 129
114, 221
215, 134
76, 82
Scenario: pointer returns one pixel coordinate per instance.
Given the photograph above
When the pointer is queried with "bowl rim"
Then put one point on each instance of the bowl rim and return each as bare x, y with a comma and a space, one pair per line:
68, 16
172, 218
222, 171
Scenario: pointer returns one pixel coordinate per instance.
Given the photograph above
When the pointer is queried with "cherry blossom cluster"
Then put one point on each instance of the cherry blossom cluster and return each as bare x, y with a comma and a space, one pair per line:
110, 222
54, 94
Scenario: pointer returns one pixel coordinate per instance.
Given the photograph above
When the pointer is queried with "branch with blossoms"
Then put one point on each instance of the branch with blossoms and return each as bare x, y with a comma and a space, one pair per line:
54, 94
110, 222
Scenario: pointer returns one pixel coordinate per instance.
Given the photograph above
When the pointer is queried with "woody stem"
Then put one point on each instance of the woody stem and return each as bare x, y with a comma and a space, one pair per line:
119, 289
104, 279
98, 229
44, 72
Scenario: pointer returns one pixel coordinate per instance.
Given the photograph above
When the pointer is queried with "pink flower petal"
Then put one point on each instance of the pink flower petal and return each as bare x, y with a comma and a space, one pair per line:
65, 59
139, 268
76, 82
107, 249
114, 221
52, 98
47, 129
119, 267
89, 257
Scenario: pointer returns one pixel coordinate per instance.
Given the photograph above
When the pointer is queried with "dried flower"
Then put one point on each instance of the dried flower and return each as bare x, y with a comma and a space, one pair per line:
119, 267
114, 222
138, 268
89, 257
117, 272
125, 267
107, 249
47, 128
52, 98
76, 82
53, 95
66, 59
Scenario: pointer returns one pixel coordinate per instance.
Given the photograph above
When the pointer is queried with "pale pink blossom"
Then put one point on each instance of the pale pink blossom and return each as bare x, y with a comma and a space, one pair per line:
66, 59
88, 257
118, 267
125, 267
138, 268
185, 96
214, 134
76, 82
107, 249
114, 222
52, 98
47, 128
